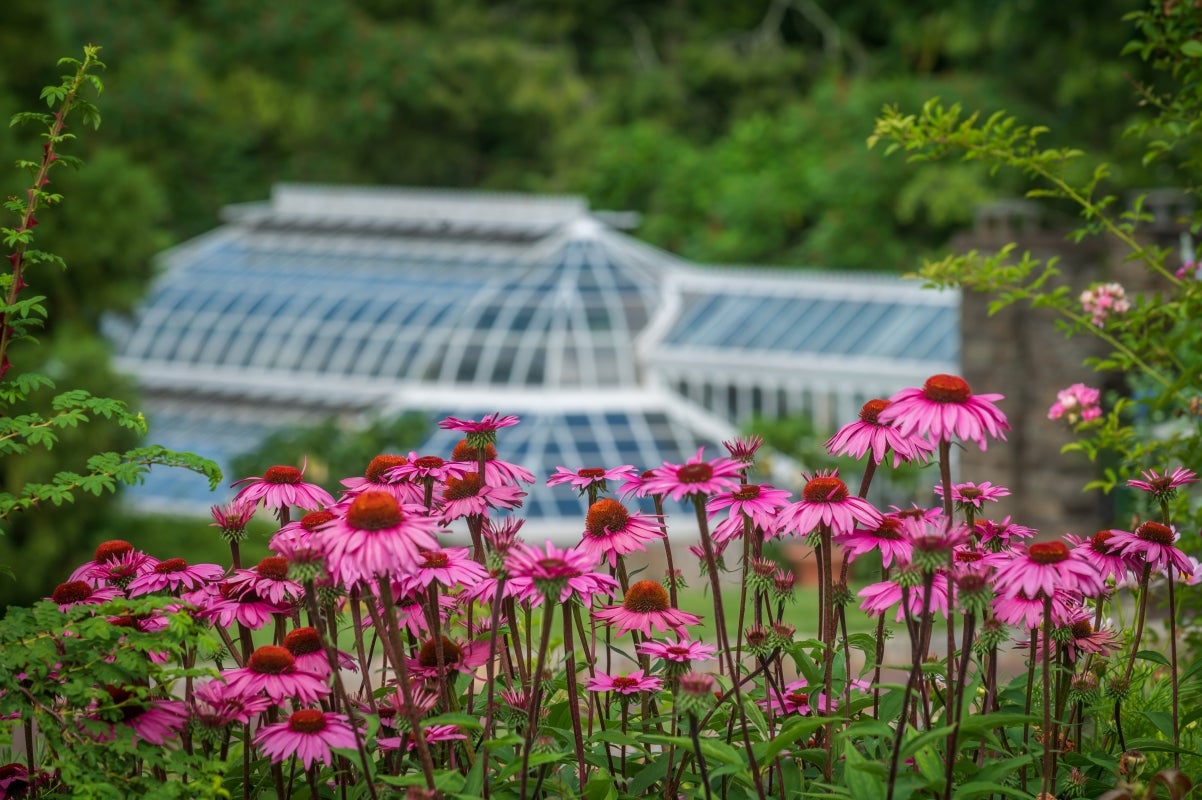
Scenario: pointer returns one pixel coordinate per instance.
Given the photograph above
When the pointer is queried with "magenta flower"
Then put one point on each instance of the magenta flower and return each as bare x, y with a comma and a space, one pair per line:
449, 567
1160, 485
870, 434
82, 593
556, 573
695, 477
471, 496
433, 734
1103, 552
889, 538
759, 503
1045, 567
375, 537
826, 501
944, 408
232, 518
682, 651
309, 734
587, 478
1103, 300
1026, 612
971, 495
381, 476
1077, 403
488, 424
115, 563
155, 722
214, 707
1152, 543
463, 657
225, 604
310, 655
880, 597
282, 487
268, 580
271, 670
633, 683
646, 606
1081, 638
611, 531
174, 575
1002, 532
420, 469
496, 471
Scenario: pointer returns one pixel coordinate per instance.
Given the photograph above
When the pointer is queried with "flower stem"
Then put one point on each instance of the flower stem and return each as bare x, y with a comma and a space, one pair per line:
536, 683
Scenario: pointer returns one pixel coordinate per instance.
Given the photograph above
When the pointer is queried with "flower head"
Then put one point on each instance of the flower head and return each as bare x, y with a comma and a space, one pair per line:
282, 487
447, 566
889, 537
759, 503
1077, 403
696, 477
1047, 567
943, 408
174, 575
610, 530
868, 433
479, 433
826, 501
682, 651
271, 670
1162, 487
744, 449
1103, 552
1103, 300
1152, 543
232, 518
82, 593
309, 734
646, 606
970, 495
590, 478
375, 536
471, 495
556, 573
633, 683
214, 706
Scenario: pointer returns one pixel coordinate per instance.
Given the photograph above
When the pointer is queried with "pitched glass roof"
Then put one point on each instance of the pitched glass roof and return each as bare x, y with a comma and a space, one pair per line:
359, 300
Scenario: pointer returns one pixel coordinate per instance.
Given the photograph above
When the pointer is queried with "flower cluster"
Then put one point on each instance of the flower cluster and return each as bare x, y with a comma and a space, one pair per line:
1103, 300
1077, 403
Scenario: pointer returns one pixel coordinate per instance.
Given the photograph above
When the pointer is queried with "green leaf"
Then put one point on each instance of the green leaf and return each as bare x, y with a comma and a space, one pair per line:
865, 779
967, 791
1192, 48
1153, 656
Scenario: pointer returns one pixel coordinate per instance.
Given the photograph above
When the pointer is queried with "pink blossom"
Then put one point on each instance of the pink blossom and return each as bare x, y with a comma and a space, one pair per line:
633, 683
943, 408
587, 478
826, 501
1104, 299
1077, 403
282, 487
610, 531
696, 477
310, 735
646, 606
868, 433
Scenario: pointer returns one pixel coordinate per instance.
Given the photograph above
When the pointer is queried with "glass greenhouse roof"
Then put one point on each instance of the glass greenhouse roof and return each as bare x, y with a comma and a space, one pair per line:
352, 301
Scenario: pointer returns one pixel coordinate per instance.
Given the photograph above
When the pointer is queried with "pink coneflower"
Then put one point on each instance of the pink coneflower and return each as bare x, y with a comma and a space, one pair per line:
636, 485
232, 518
794, 699
633, 683
888, 537
1161, 486
463, 657
988, 531
870, 434
482, 432
744, 448
586, 478
611, 531
116, 563
282, 487
433, 734
310, 735
375, 537
154, 722
695, 477
944, 408
556, 573
380, 476
81, 593
682, 651
472, 496
1102, 551
214, 707
974, 496
826, 501
269, 580
271, 670
225, 604
646, 606
880, 597
1152, 543
1027, 612
174, 575
310, 655
295, 540
1045, 567
496, 471
759, 503
448, 566
420, 469
1079, 637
